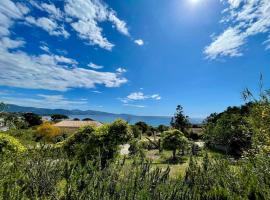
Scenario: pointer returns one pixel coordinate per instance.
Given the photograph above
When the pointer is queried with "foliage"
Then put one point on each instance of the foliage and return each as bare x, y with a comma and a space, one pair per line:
58, 117
46, 174
136, 131
142, 126
98, 144
47, 131
2, 107
173, 140
9, 144
180, 121
161, 128
14, 121
87, 119
135, 148
259, 119
229, 129
32, 119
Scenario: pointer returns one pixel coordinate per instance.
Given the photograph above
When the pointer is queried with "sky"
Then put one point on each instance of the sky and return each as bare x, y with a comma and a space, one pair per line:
134, 56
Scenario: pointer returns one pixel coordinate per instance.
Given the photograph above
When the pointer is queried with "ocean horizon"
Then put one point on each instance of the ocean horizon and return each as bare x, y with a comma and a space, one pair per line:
131, 119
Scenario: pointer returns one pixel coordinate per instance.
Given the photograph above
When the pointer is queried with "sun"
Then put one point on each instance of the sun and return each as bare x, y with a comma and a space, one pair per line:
194, 1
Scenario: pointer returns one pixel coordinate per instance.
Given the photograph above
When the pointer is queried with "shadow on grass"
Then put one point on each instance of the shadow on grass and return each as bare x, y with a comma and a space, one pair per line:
174, 161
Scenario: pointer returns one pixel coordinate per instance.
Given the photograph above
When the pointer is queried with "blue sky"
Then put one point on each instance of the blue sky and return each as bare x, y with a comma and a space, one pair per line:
138, 57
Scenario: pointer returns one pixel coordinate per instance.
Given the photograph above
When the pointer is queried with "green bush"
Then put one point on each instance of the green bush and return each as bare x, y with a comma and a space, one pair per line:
9, 144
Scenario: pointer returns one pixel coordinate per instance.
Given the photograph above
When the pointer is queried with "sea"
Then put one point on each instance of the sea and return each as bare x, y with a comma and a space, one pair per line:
150, 120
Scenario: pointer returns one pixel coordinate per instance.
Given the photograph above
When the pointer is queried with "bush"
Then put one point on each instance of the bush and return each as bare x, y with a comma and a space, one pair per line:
173, 140
32, 119
9, 144
99, 145
48, 132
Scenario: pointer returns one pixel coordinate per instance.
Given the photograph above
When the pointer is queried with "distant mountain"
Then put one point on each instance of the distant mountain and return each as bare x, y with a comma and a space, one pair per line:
97, 115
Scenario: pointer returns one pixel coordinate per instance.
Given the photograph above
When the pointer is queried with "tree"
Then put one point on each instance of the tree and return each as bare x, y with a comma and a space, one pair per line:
15, 121
76, 119
32, 119
87, 119
229, 130
136, 131
142, 126
48, 131
2, 107
180, 121
161, 128
58, 117
173, 140
99, 145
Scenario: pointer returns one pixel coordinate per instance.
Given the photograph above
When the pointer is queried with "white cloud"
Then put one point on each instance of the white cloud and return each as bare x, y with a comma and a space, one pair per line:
121, 70
50, 72
86, 15
139, 42
10, 11
44, 101
135, 96
52, 10
246, 19
227, 44
48, 25
94, 66
45, 48
121, 26
134, 105
97, 92
7, 43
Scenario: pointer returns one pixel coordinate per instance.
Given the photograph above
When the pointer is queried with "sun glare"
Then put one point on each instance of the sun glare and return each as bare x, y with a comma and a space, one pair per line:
194, 1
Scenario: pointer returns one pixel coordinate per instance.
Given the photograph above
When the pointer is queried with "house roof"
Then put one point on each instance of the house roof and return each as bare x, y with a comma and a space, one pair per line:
76, 124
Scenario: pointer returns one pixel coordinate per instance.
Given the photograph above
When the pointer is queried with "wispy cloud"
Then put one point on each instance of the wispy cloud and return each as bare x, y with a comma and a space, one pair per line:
245, 19
44, 71
85, 15
94, 66
134, 105
49, 25
45, 101
121, 70
97, 92
228, 43
141, 96
138, 96
45, 48
139, 42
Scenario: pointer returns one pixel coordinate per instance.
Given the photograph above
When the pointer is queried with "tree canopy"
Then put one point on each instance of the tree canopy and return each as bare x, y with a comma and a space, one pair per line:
180, 121
173, 140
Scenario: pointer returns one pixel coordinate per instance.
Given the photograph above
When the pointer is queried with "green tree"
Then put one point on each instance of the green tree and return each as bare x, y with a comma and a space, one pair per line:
180, 121
32, 119
142, 126
99, 145
2, 107
173, 140
136, 131
161, 128
229, 130
58, 117
15, 121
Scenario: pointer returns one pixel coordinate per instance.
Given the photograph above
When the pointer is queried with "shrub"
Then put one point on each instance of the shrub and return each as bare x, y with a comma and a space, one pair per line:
9, 144
48, 132
173, 140
99, 145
